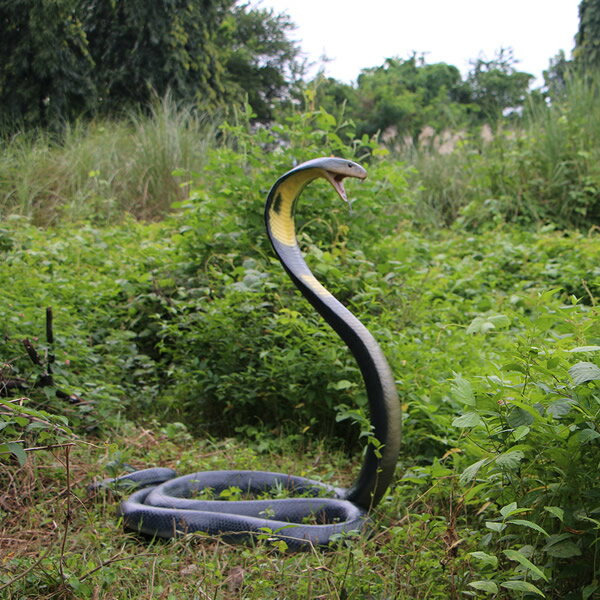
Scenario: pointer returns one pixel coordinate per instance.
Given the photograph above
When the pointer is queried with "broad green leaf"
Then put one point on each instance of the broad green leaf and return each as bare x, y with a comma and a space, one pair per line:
561, 548
471, 471
438, 470
510, 460
17, 450
462, 390
530, 524
584, 436
560, 408
520, 432
525, 562
508, 509
528, 409
556, 511
488, 559
588, 590
547, 296
343, 384
487, 323
585, 349
494, 526
485, 586
583, 372
522, 586
470, 419
518, 417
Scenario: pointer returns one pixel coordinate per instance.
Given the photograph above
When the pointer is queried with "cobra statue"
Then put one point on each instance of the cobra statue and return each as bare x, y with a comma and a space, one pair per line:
165, 505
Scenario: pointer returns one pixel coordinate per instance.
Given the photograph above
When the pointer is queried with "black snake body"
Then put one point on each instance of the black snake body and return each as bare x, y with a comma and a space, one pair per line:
166, 507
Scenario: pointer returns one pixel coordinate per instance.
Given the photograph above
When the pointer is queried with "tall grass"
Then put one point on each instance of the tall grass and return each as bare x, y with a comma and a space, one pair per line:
101, 170
546, 169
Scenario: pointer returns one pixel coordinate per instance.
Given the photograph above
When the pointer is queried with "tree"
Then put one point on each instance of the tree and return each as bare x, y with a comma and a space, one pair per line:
555, 77
496, 85
142, 48
410, 94
45, 66
62, 59
262, 63
587, 39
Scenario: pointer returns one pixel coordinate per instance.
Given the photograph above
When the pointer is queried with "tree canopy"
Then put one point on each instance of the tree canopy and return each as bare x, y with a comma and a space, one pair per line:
65, 59
587, 39
62, 59
405, 95
45, 64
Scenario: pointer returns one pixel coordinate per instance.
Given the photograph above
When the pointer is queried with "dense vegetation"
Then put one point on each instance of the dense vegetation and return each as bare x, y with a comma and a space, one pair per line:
471, 252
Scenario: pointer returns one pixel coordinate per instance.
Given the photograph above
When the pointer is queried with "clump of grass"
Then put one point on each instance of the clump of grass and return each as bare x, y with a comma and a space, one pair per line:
99, 171
545, 168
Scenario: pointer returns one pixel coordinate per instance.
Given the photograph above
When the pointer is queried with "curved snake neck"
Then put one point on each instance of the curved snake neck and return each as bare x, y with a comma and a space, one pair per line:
379, 463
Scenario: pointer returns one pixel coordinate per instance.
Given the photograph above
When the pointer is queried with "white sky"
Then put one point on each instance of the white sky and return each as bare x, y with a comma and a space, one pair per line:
357, 35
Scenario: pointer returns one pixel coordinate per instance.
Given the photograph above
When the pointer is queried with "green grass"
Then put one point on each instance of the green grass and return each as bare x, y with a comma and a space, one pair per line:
100, 171
71, 540
543, 170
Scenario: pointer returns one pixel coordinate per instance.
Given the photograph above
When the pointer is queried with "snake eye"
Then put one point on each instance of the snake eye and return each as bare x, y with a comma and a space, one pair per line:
350, 165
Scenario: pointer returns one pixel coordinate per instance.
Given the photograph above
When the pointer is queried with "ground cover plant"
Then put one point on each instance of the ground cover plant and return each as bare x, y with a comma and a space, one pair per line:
191, 349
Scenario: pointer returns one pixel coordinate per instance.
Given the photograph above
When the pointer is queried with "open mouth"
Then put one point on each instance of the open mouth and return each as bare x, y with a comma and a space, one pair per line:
337, 181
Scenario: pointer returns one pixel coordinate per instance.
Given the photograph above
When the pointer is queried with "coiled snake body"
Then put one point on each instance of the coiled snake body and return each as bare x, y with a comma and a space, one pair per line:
166, 508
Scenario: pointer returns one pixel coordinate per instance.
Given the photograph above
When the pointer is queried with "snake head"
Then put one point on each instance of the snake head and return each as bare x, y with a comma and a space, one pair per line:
279, 210
334, 170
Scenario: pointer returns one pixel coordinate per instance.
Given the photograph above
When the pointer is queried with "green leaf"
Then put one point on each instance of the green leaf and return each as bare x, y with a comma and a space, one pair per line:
488, 559
509, 509
485, 586
560, 408
18, 452
485, 324
560, 546
530, 524
584, 436
520, 432
588, 590
494, 526
556, 511
522, 586
516, 367
519, 417
583, 372
585, 349
471, 471
343, 384
470, 419
525, 562
510, 460
462, 391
